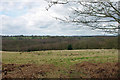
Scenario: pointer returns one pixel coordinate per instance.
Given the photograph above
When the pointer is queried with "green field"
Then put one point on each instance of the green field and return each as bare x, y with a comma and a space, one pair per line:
60, 57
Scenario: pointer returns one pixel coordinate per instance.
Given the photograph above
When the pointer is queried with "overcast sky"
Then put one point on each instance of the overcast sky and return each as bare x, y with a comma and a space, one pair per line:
30, 17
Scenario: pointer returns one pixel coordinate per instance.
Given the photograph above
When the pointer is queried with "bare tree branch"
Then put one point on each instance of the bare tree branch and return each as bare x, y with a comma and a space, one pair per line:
93, 14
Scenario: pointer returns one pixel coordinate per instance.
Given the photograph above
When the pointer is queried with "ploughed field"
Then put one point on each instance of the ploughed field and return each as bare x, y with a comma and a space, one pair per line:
86, 63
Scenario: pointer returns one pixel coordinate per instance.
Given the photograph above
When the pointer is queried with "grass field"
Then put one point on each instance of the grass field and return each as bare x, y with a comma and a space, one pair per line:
59, 57
62, 61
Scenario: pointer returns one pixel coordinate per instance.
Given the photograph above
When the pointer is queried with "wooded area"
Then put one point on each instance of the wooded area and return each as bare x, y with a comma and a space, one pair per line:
38, 43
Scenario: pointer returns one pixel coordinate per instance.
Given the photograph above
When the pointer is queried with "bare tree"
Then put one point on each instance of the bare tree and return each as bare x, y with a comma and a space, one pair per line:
97, 15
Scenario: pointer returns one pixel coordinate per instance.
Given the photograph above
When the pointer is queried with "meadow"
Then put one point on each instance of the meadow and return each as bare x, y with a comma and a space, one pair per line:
59, 57
84, 63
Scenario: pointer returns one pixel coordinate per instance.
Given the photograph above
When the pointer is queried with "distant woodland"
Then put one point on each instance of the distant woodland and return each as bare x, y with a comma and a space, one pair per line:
38, 43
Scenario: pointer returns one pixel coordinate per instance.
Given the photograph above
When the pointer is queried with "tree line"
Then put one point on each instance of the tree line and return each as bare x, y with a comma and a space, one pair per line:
32, 43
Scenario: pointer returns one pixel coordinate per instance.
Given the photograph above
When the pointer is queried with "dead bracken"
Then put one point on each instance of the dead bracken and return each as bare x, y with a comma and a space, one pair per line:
79, 70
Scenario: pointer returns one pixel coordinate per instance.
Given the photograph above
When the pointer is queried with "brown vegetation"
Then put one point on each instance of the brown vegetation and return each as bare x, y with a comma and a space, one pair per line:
96, 70
81, 70
26, 70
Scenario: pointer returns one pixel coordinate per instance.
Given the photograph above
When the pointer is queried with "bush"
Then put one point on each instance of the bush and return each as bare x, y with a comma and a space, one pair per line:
69, 47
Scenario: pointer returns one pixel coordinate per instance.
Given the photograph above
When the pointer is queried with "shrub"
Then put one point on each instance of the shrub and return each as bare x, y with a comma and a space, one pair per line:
69, 47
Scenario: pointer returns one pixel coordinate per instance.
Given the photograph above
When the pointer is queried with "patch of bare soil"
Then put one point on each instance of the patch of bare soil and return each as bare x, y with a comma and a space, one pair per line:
95, 70
25, 70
